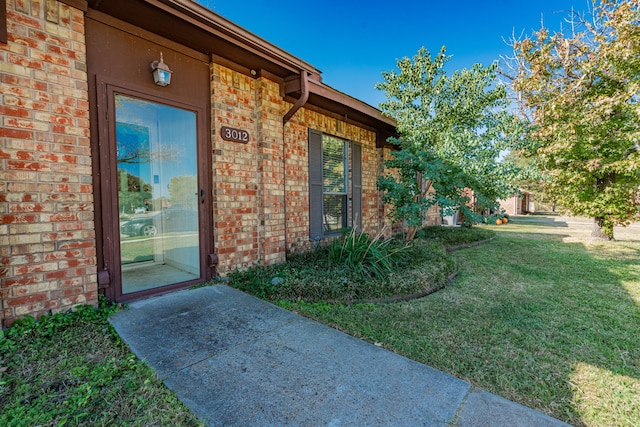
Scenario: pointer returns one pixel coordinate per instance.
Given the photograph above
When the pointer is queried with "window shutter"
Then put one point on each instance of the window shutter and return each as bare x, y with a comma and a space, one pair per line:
315, 184
356, 179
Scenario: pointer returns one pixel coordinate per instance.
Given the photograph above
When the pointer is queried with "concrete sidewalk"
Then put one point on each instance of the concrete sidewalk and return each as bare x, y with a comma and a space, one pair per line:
235, 360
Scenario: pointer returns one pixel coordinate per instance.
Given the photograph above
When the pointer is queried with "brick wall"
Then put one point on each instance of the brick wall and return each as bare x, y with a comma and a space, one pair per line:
248, 179
235, 170
297, 182
271, 203
261, 189
47, 246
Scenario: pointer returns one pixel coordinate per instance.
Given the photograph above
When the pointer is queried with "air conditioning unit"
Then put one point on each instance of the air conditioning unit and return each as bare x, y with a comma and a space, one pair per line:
450, 220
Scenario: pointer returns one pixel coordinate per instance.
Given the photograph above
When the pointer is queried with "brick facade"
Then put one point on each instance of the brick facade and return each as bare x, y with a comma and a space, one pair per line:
50, 187
261, 190
235, 172
47, 245
518, 204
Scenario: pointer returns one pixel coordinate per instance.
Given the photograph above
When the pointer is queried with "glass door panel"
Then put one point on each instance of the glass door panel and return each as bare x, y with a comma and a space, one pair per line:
157, 194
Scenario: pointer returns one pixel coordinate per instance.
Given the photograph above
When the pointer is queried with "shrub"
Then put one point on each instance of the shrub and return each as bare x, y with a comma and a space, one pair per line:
452, 236
311, 277
361, 254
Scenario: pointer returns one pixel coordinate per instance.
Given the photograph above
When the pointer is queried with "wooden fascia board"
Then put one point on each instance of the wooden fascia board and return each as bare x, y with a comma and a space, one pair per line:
78, 4
213, 23
144, 34
333, 95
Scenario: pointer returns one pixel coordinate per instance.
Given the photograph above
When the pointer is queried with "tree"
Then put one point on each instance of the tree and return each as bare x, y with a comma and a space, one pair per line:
580, 90
133, 191
531, 179
453, 129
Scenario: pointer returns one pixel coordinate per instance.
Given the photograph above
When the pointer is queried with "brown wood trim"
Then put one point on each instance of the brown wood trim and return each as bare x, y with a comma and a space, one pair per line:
103, 184
333, 115
145, 35
336, 96
78, 4
134, 296
227, 63
3, 22
200, 16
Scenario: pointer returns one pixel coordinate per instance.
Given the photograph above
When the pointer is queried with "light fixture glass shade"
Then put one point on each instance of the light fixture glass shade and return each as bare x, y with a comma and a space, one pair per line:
161, 72
161, 77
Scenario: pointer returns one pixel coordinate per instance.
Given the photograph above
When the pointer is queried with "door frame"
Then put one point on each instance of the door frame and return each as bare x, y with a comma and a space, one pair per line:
108, 220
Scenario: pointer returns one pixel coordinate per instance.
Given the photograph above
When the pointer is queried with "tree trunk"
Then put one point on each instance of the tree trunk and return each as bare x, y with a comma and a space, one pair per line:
411, 233
601, 230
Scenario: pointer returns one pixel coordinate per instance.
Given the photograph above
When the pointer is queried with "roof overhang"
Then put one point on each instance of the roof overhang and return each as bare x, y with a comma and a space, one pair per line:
193, 25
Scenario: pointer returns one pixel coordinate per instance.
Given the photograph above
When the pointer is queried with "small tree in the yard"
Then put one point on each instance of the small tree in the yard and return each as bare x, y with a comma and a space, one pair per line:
581, 90
453, 129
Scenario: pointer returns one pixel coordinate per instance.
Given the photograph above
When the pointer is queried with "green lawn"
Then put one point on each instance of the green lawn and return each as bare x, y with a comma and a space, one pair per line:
71, 369
538, 315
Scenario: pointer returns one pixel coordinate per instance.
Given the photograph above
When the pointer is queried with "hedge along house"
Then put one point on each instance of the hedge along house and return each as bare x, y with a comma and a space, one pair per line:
114, 183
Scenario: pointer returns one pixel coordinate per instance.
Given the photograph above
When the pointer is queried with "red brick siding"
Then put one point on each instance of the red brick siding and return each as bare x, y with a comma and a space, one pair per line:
47, 246
235, 170
271, 203
297, 178
261, 190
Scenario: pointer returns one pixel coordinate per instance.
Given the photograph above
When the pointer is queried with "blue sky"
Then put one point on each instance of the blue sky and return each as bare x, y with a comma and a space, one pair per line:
352, 43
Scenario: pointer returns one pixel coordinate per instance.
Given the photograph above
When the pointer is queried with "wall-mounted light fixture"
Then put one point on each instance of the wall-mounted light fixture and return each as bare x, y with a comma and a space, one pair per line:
161, 72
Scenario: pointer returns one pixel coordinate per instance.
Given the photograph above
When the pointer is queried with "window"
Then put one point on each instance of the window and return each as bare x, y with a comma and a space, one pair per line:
335, 190
334, 184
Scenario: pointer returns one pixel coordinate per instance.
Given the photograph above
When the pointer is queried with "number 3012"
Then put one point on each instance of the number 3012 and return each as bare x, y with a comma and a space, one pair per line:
236, 135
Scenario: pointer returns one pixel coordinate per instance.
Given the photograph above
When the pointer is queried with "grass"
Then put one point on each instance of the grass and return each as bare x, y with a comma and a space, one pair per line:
539, 315
72, 369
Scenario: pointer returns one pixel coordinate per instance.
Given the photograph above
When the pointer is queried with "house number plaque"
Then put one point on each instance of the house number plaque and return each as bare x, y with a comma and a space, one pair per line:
235, 135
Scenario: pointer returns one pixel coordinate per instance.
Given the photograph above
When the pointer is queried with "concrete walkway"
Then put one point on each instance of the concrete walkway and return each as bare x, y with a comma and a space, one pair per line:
235, 360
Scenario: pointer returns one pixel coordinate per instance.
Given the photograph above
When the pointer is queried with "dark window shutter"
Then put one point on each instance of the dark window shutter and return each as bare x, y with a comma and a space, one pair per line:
315, 184
356, 179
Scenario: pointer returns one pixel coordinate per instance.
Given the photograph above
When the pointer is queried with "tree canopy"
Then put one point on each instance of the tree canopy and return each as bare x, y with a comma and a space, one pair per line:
453, 130
580, 90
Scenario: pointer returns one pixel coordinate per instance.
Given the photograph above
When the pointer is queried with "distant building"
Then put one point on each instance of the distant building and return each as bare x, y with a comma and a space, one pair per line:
518, 204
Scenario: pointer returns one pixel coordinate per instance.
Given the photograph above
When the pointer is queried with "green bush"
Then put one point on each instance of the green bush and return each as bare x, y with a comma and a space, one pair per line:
312, 277
453, 236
